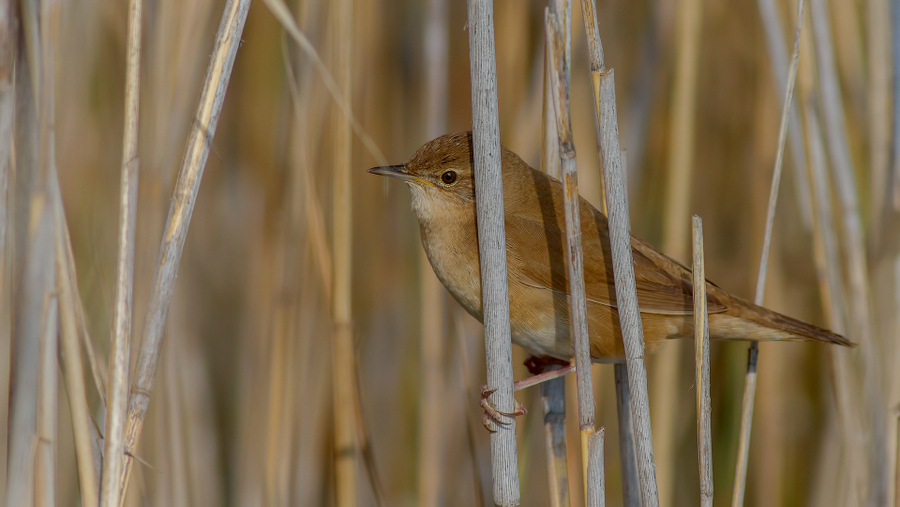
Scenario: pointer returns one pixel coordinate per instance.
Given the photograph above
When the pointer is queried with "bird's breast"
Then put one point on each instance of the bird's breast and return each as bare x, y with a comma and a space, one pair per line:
452, 251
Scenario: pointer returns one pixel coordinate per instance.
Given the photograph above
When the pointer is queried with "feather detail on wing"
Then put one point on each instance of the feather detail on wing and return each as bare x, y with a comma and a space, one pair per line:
544, 264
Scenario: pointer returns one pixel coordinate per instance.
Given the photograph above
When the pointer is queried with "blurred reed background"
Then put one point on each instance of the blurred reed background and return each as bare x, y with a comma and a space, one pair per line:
242, 410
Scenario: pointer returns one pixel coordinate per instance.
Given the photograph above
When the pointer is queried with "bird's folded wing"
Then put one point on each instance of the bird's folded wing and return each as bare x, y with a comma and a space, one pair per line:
542, 264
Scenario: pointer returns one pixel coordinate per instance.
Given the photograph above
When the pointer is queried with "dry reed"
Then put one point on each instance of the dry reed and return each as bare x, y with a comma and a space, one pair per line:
491, 247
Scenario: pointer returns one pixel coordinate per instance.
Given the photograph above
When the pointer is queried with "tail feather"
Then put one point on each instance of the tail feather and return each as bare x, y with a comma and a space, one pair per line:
745, 321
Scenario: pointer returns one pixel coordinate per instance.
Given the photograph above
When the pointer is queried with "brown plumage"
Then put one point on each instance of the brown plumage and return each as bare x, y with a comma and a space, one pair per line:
443, 199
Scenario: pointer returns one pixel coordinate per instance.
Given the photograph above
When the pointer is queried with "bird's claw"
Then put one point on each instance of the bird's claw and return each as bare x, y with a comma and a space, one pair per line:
492, 414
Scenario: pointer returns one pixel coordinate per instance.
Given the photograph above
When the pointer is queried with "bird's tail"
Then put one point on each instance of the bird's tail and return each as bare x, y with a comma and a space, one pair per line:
745, 321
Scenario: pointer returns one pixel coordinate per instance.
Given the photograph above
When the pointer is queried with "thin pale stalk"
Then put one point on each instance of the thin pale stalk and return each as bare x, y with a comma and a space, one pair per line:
284, 16
826, 246
8, 50
571, 204
228, 39
73, 369
37, 283
631, 489
667, 376
701, 359
492, 246
431, 429
740, 479
879, 81
553, 392
682, 130
859, 312
48, 371
896, 462
627, 461
596, 489
47, 410
620, 244
344, 362
626, 291
575, 264
34, 279
573, 228
893, 190
549, 137
778, 56
120, 353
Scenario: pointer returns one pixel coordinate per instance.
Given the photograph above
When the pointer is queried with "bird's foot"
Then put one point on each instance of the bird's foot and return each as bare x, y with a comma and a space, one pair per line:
492, 414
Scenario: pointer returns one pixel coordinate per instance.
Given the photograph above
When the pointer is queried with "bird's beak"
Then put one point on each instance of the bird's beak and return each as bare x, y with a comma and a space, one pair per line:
394, 171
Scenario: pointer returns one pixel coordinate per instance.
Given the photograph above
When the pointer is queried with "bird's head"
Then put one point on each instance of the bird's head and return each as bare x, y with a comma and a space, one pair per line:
439, 174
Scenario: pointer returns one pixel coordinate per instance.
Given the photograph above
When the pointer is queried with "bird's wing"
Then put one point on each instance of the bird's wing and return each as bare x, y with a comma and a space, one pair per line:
663, 285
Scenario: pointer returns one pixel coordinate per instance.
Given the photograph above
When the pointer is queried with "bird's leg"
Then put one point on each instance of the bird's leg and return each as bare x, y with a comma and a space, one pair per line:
543, 376
536, 365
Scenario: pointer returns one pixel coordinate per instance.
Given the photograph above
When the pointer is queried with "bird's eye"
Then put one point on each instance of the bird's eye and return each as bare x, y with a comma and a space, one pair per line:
448, 178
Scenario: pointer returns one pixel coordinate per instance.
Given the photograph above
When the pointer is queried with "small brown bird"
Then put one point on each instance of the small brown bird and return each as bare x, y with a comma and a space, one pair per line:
440, 176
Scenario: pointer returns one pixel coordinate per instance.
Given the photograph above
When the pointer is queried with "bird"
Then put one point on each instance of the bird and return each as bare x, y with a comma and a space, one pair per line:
440, 176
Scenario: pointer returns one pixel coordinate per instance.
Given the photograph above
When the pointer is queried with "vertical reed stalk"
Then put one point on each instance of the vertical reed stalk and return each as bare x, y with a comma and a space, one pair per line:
431, 416
492, 246
47, 409
73, 368
740, 479
893, 189
879, 80
343, 354
832, 289
575, 264
701, 359
553, 392
596, 489
199, 143
8, 49
120, 349
620, 245
853, 248
667, 377
778, 58
48, 372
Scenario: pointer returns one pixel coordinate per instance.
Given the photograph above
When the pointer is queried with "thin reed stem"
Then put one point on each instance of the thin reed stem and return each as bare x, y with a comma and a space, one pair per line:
596, 489
575, 264
573, 226
199, 143
740, 479
283, 15
553, 392
431, 413
492, 247
346, 442
854, 252
827, 253
701, 360
73, 368
620, 244
667, 376
120, 349
778, 56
